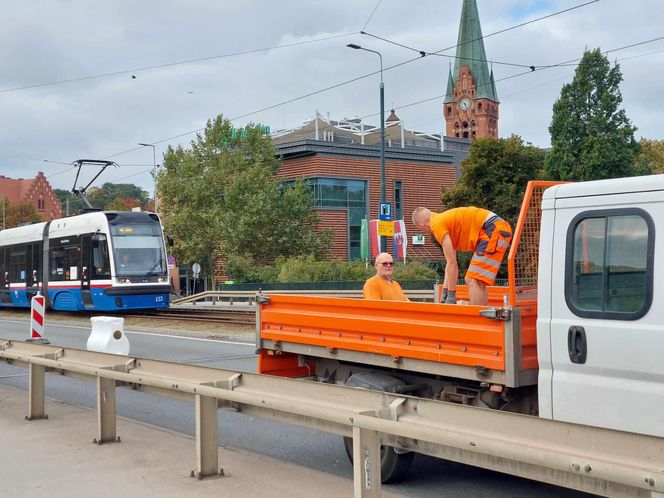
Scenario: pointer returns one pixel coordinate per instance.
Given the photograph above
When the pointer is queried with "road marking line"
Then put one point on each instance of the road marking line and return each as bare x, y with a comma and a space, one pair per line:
253, 344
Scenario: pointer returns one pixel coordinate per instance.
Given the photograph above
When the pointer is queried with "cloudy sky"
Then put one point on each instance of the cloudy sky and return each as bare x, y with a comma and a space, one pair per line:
91, 80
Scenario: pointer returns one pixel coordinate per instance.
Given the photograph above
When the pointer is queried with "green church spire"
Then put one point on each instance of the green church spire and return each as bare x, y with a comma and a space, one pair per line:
470, 52
449, 94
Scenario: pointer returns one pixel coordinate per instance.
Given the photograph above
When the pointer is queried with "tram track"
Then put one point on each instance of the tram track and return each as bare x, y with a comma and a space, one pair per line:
241, 317
209, 316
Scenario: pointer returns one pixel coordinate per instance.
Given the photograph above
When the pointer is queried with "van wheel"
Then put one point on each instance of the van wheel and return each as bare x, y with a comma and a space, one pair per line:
393, 466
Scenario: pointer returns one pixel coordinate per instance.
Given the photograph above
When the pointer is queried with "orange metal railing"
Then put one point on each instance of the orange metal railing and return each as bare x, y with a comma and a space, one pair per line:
522, 261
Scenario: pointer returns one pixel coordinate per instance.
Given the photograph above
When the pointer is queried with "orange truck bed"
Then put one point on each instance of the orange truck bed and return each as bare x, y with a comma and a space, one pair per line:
495, 344
447, 340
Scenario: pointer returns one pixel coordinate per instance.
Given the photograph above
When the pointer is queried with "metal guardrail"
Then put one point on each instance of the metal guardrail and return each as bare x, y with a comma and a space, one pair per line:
249, 297
595, 460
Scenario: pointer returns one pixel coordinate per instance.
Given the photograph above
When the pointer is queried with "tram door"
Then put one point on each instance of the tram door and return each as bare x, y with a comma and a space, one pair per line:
5, 297
86, 252
32, 269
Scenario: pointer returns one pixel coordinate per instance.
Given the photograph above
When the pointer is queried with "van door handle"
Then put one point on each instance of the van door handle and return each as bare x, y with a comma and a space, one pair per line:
576, 344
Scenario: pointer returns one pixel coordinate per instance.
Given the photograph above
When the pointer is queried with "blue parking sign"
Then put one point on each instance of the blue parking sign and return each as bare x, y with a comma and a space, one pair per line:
385, 211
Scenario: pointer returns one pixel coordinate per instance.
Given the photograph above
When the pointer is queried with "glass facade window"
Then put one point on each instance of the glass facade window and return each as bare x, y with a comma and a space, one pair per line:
343, 194
398, 205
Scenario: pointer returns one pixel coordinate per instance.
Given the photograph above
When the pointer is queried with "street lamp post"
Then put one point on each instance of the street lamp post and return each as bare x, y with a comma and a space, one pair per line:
383, 243
154, 170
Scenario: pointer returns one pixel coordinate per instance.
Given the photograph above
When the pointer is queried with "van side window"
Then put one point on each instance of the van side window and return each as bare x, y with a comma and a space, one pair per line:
609, 264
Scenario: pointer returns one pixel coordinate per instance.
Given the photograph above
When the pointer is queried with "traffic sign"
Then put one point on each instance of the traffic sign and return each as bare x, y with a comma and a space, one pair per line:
196, 269
386, 228
170, 261
385, 211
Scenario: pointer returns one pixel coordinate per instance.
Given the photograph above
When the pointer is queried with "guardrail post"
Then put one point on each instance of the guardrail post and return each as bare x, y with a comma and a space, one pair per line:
36, 402
366, 463
207, 437
106, 423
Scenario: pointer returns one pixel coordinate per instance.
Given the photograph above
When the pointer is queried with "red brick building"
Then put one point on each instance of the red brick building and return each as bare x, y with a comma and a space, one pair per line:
341, 162
37, 191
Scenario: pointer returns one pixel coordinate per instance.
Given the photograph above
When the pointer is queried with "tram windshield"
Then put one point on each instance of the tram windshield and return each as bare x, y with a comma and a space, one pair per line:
138, 249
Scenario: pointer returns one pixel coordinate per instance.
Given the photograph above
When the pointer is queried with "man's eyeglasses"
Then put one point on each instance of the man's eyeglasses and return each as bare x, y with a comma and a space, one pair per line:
387, 263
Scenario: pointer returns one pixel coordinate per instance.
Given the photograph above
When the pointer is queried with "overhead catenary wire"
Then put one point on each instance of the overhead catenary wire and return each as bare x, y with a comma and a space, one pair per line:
372, 14
429, 99
550, 66
176, 63
337, 85
284, 46
436, 97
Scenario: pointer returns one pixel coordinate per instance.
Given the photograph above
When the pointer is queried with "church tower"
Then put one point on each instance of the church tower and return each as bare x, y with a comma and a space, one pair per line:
471, 101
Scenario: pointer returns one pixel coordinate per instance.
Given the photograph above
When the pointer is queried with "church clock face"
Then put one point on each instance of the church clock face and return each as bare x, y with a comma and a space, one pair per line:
464, 104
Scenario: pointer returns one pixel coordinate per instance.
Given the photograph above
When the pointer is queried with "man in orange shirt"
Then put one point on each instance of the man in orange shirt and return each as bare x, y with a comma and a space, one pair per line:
468, 229
381, 285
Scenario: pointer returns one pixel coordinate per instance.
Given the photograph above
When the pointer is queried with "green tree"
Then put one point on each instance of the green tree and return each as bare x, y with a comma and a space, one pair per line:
20, 212
110, 196
495, 174
591, 137
71, 203
651, 158
121, 203
222, 193
108, 193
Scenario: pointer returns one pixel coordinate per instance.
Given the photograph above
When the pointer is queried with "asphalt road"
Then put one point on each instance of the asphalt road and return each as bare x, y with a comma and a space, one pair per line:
430, 477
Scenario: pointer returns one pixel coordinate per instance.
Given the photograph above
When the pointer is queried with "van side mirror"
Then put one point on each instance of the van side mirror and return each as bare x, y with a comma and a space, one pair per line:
170, 240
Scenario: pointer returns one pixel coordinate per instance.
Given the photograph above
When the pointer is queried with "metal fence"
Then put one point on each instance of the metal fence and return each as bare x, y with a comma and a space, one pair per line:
330, 285
594, 460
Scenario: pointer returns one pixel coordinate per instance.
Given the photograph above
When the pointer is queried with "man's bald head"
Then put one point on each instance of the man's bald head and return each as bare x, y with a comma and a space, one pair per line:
421, 218
384, 265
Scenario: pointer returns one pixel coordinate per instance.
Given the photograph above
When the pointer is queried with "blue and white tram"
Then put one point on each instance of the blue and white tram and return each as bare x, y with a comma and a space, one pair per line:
98, 261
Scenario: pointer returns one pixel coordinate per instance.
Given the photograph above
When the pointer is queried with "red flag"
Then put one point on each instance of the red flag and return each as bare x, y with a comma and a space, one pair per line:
374, 238
400, 240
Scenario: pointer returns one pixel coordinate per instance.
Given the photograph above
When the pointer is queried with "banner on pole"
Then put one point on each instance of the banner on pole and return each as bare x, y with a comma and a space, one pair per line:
400, 239
374, 238
364, 239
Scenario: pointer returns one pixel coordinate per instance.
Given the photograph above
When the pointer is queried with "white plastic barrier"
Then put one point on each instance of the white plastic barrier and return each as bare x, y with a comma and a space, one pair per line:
107, 335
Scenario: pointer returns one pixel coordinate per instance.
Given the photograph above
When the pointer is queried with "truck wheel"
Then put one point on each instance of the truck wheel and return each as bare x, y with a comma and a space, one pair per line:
393, 466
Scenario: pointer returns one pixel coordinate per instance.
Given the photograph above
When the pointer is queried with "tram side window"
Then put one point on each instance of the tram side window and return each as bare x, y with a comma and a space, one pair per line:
101, 267
65, 262
17, 260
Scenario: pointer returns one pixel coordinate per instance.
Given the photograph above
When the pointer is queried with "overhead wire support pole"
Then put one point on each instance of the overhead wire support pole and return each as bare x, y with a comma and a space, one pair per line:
383, 242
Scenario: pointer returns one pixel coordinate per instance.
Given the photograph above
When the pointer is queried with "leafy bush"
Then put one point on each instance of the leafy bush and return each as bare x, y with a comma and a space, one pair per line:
308, 269
243, 269
414, 270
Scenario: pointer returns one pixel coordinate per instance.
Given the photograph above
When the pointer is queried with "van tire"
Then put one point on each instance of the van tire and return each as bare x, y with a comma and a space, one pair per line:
394, 466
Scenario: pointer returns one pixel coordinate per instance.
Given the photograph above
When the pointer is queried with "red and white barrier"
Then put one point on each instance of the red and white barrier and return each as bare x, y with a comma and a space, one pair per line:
37, 314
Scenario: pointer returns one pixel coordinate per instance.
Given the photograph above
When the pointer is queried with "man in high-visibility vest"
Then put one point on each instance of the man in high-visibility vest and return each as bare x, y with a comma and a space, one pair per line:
469, 229
381, 286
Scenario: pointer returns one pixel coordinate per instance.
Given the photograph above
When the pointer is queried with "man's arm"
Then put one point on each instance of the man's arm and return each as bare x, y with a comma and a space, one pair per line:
452, 267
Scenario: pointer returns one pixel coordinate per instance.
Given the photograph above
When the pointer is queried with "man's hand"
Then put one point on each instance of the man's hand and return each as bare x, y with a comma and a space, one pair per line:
451, 266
